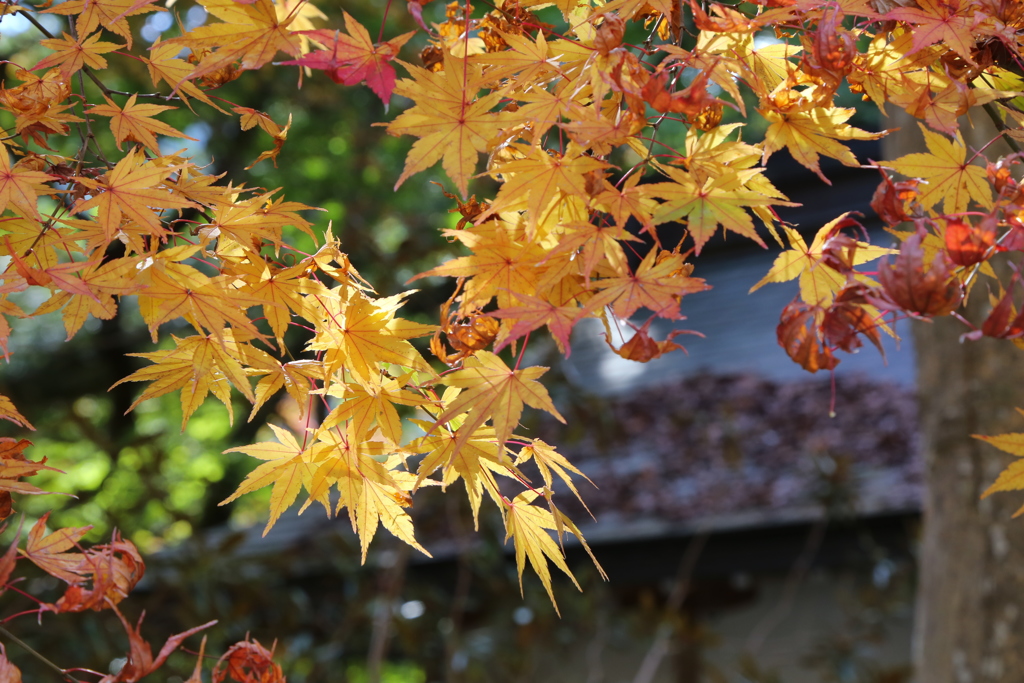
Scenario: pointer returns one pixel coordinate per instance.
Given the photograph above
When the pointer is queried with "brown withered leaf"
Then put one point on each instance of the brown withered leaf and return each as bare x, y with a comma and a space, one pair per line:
141, 662
641, 347
1004, 322
248, 662
917, 288
691, 101
8, 672
799, 334
609, 34
113, 569
847, 318
890, 199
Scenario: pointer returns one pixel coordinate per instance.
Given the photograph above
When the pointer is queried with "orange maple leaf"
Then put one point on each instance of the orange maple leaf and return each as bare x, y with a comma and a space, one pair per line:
70, 54
132, 188
947, 21
134, 122
20, 185
49, 551
110, 14
533, 313
659, 282
251, 34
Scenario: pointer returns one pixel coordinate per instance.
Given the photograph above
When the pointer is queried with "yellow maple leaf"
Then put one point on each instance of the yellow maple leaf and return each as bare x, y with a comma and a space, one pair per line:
530, 527
808, 134
721, 200
452, 125
198, 365
818, 283
949, 176
475, 461
287, 465
358, 333
493, 391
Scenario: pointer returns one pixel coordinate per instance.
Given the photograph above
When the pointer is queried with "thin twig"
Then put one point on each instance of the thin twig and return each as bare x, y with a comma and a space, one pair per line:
796, 577
50, 665
680, 589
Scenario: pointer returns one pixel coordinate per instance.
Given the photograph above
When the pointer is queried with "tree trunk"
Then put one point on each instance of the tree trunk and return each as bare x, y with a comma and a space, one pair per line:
970, 602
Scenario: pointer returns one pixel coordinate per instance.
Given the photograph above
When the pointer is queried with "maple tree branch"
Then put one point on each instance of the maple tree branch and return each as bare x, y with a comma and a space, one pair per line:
1001, 126
50, 665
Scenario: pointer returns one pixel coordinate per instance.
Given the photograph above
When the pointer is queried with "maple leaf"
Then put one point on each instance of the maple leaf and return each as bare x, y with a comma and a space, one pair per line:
799, 334
134, 122
818, 282
198, 365
99, 284
549, 461
451, 123
947, 21
533, 313
364, 406
110, 14
368, 484
251, 34
358, 333
114, 569
529, 527
247, 662
641, 347
916, 287
140, 661
297, 377
20, 185
807, 134
48, 552
287, 465
474, 457
498, 266
132, 189
70, 54
658, 283
716, 201
9, 412
353, 57
492, 390
537, 179
1011, 478
165, 65
948, 175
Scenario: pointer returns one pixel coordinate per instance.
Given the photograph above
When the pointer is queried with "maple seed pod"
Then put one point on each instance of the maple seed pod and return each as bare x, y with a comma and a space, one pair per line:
609, 34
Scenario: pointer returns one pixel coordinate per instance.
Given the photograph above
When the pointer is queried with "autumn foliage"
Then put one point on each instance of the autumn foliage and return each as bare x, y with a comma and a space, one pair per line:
563, 115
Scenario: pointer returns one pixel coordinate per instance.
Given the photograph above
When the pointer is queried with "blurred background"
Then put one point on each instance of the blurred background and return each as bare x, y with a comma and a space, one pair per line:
748, 537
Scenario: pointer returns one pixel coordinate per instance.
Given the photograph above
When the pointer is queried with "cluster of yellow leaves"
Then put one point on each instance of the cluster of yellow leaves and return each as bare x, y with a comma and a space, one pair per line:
557, 112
